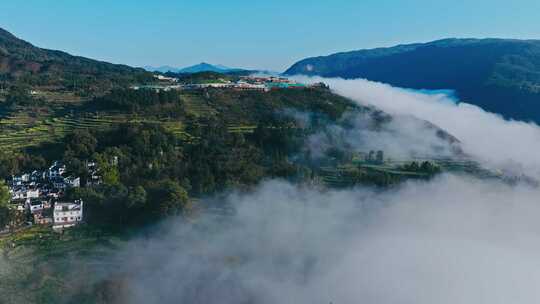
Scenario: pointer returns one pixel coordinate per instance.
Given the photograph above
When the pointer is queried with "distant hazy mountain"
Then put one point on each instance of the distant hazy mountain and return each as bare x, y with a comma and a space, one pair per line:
201, 67
500, 75
19, 58
161, 69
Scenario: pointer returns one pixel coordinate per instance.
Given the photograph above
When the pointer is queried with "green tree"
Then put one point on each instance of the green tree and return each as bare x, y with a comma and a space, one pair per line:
170, 199
137, 197
5, 212
8, 165
81, 144
108, 165
430, 168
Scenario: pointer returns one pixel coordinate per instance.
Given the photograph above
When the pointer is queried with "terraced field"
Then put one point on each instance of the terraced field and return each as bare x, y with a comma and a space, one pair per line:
196, 105
21, 130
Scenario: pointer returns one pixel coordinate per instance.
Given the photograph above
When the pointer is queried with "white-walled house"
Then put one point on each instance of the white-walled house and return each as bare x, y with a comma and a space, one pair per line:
67, 214
32, 193
35, 206
72, 182
56, 170
22, 193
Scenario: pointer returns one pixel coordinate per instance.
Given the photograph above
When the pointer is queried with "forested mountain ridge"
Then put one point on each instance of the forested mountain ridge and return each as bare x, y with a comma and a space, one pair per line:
20, 61
499, 75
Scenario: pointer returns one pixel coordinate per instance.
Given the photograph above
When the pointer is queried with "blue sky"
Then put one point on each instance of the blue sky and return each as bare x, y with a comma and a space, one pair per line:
269, 34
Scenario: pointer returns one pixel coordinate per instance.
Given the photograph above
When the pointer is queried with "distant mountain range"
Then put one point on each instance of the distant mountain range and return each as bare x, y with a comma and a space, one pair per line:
19, 59
499, 75
201, 67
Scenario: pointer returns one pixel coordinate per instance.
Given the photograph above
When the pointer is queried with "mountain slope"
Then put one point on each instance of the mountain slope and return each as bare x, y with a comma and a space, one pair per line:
20, 60
500, 75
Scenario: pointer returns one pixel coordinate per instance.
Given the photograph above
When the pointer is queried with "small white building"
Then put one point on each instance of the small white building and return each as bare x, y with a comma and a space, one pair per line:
55, 193
32, 193
35, 206
67, 214
56, 170
22, 193
165, 78
63, 183
72, 182
37, 175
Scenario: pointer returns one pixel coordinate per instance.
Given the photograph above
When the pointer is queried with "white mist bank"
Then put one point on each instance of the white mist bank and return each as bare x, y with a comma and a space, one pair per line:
503, 144
402, 138
452, 240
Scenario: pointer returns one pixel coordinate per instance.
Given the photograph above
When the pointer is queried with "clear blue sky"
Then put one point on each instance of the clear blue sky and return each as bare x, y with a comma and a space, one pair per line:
269, 34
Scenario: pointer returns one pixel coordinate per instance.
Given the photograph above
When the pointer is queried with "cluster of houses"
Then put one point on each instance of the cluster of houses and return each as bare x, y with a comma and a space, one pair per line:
41, 195
244, 83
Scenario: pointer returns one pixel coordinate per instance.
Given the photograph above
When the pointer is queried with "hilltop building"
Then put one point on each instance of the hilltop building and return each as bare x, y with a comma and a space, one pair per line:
245, 83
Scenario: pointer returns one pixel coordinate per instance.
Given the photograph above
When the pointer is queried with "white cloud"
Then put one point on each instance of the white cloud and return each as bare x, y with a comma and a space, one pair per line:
508, 145
453, 240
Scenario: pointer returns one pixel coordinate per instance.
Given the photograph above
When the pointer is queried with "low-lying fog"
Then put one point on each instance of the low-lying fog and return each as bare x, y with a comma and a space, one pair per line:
452, 240
455, 239
508, 145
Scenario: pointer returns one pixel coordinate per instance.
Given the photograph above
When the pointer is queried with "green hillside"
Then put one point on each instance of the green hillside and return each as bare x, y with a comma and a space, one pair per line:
21, 61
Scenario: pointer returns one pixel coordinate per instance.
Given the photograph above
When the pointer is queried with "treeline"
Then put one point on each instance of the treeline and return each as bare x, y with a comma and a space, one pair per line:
5, 211
425, 167
139, 100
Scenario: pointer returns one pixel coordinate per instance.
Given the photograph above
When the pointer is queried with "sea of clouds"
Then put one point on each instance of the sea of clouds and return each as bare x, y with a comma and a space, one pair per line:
454, 239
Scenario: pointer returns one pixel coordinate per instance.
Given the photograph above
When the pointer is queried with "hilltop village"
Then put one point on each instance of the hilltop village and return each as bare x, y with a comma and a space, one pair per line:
240, 83
39, 197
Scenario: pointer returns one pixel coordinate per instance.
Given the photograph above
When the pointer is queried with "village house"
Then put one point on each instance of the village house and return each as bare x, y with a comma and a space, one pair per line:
67, 214
56, 170
23, 193
63, 183
35, 206
43, 218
